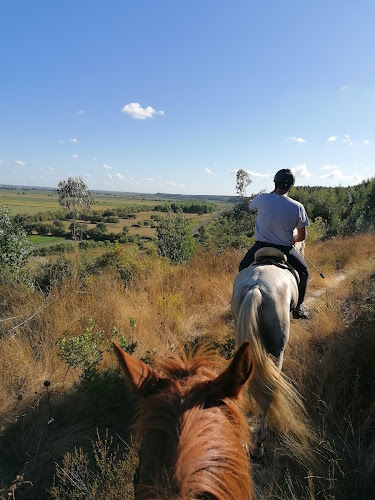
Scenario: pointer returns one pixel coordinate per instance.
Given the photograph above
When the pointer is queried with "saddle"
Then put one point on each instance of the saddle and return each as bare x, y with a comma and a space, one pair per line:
275, 257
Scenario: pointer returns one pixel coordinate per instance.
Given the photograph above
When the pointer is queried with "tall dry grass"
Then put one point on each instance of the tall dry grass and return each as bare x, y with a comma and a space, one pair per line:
165, 305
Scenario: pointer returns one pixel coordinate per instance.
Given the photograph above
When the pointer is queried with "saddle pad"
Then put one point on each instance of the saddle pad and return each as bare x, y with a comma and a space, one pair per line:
273, 256
269, 252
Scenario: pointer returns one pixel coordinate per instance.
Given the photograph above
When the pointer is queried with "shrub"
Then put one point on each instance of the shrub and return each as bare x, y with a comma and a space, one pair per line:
173, 238
15, 248
52, 273
118, 260
84, 352
109, 475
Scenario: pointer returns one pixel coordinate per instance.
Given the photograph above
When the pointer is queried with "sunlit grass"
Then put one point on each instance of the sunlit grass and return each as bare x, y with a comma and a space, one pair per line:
164, 305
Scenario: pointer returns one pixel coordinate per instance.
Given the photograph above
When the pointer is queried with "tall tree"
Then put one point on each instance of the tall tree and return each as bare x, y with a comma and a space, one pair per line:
74, 197
242, 181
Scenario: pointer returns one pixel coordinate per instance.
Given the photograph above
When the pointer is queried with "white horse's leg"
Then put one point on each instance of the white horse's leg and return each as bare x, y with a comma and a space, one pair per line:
258, 449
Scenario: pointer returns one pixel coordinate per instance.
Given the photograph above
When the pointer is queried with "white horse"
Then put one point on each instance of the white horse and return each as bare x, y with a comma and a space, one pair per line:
263, 296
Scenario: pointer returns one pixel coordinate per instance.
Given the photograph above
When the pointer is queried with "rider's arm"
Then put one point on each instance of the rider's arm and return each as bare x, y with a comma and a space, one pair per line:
301, 234
253, 204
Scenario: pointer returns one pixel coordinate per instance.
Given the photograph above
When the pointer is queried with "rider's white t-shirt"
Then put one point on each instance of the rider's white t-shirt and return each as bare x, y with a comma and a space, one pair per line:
277, 217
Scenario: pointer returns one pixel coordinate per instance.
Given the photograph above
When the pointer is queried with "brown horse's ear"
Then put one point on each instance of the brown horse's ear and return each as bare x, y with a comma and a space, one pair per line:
231, 382
143, 380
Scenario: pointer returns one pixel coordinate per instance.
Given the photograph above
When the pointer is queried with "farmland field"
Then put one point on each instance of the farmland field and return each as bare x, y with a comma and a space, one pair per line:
37, 239
30, 202
33, 201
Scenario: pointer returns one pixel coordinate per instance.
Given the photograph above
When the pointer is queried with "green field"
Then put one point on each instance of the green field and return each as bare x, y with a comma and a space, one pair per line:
38, 240
32, 202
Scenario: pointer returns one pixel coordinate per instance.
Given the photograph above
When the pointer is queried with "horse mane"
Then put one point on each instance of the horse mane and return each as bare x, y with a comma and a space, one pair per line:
207, 434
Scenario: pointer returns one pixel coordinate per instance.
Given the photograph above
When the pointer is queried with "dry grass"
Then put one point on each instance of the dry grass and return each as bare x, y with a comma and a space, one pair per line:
165, 305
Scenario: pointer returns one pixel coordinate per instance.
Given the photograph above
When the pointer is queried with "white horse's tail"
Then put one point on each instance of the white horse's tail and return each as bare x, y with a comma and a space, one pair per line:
268, 387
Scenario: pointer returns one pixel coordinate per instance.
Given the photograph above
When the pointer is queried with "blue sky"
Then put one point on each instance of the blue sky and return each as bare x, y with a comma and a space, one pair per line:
175, 96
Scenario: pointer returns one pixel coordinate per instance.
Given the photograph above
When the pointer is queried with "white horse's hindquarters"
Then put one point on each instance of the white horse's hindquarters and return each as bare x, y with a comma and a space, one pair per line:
279, 290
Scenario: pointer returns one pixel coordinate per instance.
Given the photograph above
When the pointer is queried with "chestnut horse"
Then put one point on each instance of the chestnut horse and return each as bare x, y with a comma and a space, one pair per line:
193, 431
263, 296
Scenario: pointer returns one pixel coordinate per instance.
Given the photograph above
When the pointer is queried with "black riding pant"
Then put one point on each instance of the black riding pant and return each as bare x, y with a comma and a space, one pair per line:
294, 259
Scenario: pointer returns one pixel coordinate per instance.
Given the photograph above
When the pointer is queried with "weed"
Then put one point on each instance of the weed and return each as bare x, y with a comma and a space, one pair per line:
108, 474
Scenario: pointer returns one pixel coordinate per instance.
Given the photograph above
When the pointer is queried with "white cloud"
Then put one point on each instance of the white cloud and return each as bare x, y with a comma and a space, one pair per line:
258, 174
252, 173
61, 141
108, 176
50, 171
337, 174
333, 138
105, 166
74, 141
330, 167
119, 176
207, 171
347, 140
135, 110
1, 162
19, 163
366, 141
146, 179
295, 139
173, 184
301, 171
75, 157
80, 112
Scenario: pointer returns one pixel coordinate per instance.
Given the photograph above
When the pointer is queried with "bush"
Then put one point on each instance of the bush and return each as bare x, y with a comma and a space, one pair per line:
109, 475
52, 273
173, 238
15, 248
84, 352
119, 261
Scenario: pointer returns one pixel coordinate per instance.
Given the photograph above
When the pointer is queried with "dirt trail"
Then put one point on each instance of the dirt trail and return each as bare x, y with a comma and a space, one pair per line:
313, 295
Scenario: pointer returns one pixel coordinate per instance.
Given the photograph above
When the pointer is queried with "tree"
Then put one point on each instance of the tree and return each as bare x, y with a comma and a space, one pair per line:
242, 181
15, 248
74, 197
173, 238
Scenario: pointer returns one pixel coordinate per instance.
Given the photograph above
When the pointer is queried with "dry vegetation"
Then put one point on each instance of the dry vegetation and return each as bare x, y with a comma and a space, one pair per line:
50, 416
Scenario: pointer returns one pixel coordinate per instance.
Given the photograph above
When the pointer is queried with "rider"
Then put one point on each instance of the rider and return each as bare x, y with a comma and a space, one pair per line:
277, 217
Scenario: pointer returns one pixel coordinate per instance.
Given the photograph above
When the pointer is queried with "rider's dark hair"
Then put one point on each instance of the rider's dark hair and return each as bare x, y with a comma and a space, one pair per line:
284, 179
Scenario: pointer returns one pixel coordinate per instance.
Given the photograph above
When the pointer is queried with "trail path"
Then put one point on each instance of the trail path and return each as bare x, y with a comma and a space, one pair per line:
314, 294
214, 216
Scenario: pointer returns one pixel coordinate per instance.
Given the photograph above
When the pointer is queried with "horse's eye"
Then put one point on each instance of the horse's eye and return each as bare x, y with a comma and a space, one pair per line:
206, 496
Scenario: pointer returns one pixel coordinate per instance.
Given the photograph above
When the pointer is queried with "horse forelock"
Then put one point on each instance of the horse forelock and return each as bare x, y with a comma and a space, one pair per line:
181, 364
204, 436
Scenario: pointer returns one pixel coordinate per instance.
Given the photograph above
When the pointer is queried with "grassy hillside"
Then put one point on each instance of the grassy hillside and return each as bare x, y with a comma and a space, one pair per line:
57, 421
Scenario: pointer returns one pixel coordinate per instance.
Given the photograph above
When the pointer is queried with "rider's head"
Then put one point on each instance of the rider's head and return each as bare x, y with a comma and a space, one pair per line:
284, 179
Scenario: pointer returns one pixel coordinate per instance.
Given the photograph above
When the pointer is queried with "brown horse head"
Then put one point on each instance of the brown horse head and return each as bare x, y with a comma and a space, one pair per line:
194, 434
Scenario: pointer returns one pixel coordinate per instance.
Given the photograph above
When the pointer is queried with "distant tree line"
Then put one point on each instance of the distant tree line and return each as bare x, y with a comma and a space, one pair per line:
332, 212
345, 210
187, 207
